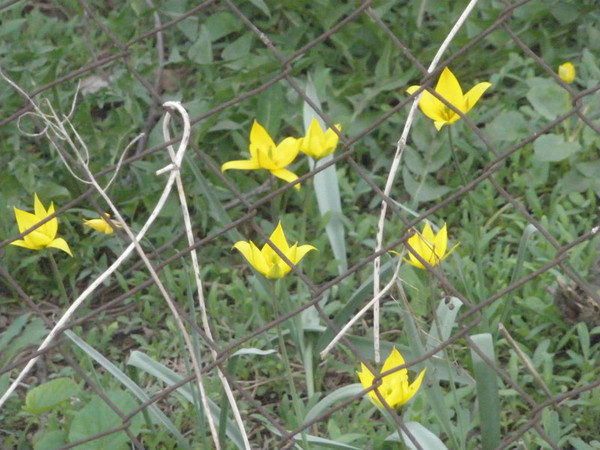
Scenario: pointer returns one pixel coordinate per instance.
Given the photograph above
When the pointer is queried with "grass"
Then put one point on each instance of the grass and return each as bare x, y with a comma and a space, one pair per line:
211, 61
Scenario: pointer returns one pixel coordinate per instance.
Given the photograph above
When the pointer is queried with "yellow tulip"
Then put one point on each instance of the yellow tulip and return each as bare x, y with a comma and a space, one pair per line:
101, 225
45, 235
266, 260
430, 247
567, 72
394, 387
318, 144
448, 88
264, 154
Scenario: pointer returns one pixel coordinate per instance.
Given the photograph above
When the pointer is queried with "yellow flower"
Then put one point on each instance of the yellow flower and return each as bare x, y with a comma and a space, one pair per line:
269, 263
430, 247
45, 235
394, 387
448, 88
101, 225
317, 144
264, 154
567, 72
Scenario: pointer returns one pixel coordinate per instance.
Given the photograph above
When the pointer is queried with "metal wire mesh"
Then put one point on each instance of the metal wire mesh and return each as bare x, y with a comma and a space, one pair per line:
147, 65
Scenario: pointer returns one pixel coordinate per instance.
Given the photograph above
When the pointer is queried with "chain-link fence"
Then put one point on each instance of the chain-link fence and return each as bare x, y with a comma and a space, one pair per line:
159, 334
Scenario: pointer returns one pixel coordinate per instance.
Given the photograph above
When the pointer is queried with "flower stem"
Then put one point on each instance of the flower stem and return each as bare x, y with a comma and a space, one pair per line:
58, 277
286, 364
475, 223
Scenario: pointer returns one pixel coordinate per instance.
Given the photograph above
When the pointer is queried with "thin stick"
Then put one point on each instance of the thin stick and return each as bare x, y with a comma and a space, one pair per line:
524, 358
53, 122
365, 308
191, 242
400, 146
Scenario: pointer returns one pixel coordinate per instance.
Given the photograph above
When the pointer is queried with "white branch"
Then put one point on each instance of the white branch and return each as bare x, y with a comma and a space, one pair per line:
400, 146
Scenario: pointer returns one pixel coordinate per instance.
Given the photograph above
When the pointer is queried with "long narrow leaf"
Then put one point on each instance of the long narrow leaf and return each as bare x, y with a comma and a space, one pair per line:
129, 384
487, 392
163, 373
422, 435
327, 187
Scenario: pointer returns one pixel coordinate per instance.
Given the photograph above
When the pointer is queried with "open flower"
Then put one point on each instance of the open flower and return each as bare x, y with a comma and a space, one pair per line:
318, 144
101, 225
394, 387
264, 154
45, 235
567, 72
266, 260
448, 88
430, 247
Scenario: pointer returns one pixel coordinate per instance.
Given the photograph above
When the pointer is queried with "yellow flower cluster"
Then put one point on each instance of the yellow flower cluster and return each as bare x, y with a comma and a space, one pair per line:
44, 235
264, 154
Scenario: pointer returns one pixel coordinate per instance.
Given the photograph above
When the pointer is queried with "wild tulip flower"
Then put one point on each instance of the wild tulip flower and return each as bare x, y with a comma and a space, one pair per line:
318, 144
448, 88
45, 235
267, 261
567, 72
394, 387
430, 247
264, 154
101, 225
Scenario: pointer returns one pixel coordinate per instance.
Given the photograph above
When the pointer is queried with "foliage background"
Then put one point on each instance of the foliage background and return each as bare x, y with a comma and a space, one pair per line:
524, 220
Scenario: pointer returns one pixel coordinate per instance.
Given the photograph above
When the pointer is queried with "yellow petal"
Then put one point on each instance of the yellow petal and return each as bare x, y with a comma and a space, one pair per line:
61, 244
440, 243
99, 224
567, 72
431, 106
366, 379
475, 94
24, 244
253, 255
50, 228
440, 123
25, 220
286, 175
244, 164
259, 137
37, 240
413, 387
286, 152
300, 252
332, 138
278, 238
38, 207
449, 88
394, 360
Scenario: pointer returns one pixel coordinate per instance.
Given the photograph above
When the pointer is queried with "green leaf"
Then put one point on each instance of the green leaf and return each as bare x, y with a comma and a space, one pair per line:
238, 48
326, 186
422, 435
444, 322
424, 190
270, 107
200, 51
336, 396
49, 440
548, 98
163, 373
260, 4
552, 147
97, 417
129, 384
48, 395
509, 126
32, 334
222, 24
487, 391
